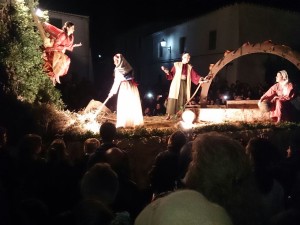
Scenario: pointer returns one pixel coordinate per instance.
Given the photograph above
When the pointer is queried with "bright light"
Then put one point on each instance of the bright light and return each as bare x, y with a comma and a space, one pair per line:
225, 97
163, 43
149, 95
188, 117
39, 13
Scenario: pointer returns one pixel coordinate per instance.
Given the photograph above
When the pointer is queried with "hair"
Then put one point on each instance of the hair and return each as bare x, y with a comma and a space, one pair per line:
176, 141
90, 145
118, 160
222, 172
284, 74
57, 150
108, 131
264, 156
67, 25
30, 145
92, 212
100, 182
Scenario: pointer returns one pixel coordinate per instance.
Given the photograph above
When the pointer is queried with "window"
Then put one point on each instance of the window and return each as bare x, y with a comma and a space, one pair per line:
182, 42
160, 50
212, 40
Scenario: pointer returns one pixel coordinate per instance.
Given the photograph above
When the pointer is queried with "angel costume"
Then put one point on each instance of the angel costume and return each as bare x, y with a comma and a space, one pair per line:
57, 63
129, 109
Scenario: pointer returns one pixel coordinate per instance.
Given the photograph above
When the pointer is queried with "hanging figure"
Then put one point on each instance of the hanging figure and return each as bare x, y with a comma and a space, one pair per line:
57, 63
129, 109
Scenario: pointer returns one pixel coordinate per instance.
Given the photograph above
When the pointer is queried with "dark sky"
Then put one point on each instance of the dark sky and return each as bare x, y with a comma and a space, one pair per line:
111, 17
120, 15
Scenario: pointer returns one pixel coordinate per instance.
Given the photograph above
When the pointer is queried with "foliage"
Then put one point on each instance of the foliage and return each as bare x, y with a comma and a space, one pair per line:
21, 63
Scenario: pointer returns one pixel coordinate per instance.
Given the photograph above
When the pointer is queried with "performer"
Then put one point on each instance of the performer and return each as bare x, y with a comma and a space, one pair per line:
279, 95
181, 74
56, 61
129, 109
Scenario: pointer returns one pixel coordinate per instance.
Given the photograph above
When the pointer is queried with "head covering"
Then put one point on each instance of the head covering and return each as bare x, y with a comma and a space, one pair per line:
284, 75
122, 65
186, 207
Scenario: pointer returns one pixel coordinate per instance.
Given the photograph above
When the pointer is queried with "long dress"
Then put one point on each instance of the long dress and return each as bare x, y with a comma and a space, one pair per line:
129, 109
282, 106
57, 63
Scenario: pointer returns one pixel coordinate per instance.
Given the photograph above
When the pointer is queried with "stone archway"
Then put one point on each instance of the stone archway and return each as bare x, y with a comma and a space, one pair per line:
266, 47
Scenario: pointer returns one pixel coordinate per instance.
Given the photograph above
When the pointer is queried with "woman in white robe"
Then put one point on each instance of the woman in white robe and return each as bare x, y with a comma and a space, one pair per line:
129, 109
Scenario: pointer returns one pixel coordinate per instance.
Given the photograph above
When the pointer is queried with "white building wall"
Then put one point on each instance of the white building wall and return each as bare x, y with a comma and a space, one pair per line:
235, 25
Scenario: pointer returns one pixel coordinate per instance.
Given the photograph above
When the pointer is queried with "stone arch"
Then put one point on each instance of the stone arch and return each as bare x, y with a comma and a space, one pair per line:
266, 47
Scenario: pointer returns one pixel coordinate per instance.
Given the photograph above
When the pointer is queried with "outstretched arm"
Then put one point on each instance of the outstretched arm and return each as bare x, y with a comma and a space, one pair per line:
166, 71
77, 45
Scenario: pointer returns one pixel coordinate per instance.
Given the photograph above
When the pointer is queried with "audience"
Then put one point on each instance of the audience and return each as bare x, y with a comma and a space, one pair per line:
221, 171
212, 174
108, 133
164, 174
101, 183
62, 179
186, 207
265, 158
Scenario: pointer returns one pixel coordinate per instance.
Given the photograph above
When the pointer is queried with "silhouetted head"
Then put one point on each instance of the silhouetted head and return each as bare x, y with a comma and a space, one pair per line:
108, 132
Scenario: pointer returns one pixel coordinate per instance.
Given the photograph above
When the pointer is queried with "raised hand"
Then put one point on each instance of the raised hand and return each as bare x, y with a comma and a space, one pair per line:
77, 45
208, 77
165, 69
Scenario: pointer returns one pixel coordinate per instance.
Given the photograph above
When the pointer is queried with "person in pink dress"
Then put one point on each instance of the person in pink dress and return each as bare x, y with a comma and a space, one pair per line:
279, 97
57, 63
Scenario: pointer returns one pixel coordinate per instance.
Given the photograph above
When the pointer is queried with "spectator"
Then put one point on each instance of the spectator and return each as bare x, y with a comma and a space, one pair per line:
186, 207
164, 174
108, 133
221, 171
265, 158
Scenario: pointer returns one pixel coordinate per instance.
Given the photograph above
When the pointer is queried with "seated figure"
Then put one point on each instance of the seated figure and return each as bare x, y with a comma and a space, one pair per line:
279, 98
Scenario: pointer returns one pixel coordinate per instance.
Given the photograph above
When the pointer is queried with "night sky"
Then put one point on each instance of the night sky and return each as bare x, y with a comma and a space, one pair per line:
112, 17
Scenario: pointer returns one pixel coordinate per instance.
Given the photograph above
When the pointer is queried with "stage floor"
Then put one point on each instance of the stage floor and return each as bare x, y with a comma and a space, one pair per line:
204, 116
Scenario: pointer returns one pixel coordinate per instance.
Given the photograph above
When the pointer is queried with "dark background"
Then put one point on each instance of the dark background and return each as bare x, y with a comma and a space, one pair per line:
112, 17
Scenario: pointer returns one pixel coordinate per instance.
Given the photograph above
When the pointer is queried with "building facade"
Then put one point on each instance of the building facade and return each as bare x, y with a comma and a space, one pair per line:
208, 37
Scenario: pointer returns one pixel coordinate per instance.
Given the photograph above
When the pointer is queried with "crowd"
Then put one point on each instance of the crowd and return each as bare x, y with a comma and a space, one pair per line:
208, 179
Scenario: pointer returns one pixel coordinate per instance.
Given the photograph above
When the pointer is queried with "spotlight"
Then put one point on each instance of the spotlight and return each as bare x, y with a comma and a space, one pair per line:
149, 95
188, 117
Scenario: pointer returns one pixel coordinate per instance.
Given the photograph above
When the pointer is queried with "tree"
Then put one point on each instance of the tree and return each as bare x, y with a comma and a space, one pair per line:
21, 63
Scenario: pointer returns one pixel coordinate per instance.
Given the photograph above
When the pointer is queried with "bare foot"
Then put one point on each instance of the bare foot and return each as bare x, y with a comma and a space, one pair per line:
53, 80
57, 79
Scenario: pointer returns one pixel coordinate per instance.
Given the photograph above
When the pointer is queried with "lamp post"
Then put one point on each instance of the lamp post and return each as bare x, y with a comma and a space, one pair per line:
163, 44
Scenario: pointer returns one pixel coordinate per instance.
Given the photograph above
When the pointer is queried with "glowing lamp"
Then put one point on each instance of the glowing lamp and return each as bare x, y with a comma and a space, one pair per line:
188, 116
